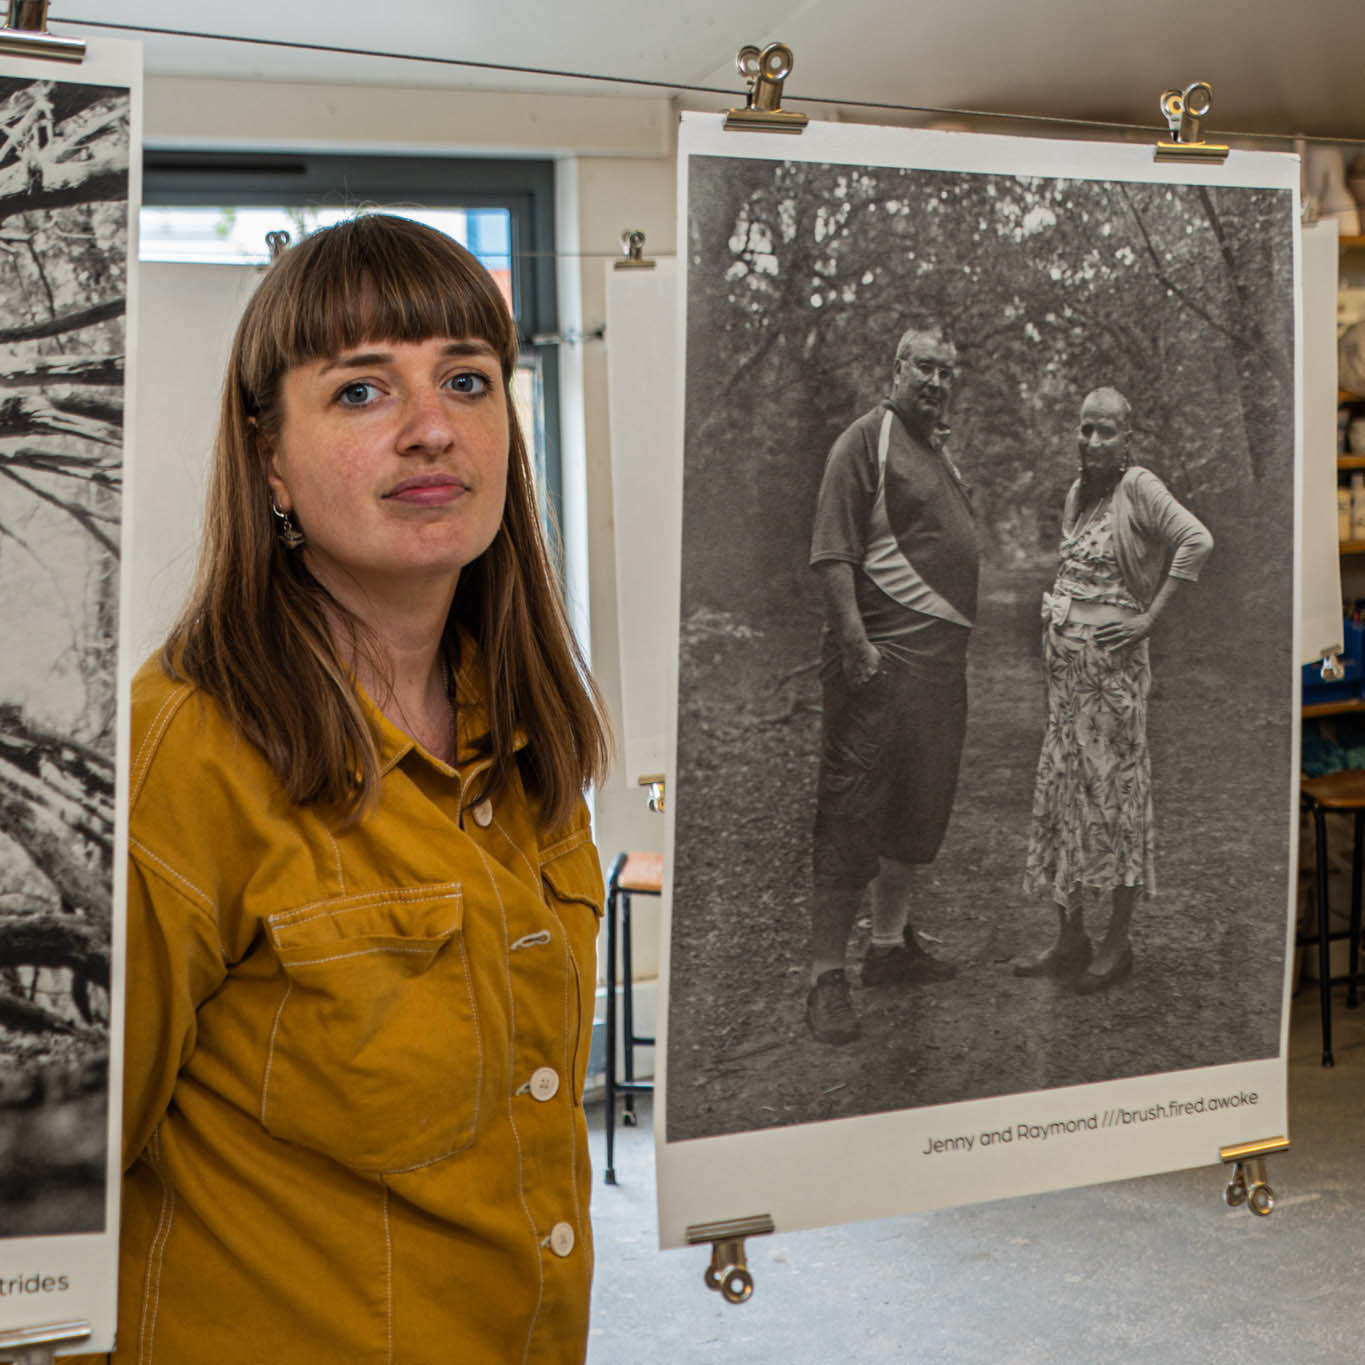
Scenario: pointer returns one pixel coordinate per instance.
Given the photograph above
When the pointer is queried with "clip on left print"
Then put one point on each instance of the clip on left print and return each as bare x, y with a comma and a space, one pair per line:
69, 192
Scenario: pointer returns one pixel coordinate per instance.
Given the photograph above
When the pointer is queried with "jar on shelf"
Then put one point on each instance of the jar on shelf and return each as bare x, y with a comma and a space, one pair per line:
1358, 504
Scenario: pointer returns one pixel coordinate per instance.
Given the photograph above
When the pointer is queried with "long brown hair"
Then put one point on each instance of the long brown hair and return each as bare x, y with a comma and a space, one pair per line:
254, 634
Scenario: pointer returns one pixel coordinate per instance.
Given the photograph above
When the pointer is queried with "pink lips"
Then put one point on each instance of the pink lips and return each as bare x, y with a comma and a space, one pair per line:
427, 490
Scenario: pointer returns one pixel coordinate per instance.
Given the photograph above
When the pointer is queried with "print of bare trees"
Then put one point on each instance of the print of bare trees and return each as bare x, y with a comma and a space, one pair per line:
64, 162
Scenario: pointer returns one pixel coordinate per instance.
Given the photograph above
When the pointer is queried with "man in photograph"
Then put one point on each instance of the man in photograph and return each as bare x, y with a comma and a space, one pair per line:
894, 547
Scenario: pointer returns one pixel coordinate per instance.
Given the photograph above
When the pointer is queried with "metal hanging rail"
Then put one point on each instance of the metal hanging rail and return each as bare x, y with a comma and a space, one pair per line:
507, 68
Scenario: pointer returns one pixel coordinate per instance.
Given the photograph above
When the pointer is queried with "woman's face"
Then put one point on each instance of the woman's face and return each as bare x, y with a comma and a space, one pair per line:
392, 459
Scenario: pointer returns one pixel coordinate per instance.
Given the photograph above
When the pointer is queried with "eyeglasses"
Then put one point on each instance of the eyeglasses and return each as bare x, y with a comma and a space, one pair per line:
945, 374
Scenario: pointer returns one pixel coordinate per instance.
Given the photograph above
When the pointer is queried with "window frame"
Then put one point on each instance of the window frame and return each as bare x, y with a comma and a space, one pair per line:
176, 178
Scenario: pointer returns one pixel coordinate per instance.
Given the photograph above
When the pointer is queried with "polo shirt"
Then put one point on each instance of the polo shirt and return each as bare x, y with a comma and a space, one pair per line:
896, 508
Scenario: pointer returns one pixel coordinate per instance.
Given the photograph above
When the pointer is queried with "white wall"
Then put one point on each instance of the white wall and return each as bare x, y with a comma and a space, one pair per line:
186, 317
614, 194
614, 170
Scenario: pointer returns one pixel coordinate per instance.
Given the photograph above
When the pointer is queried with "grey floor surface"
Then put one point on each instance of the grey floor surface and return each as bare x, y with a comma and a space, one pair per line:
1152, 1270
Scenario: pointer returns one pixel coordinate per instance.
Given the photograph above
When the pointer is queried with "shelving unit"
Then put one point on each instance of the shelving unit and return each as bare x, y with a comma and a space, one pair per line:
1316, 709
1345, 464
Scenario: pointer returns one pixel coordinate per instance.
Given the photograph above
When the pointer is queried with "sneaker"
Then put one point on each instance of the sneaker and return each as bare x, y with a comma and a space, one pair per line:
829, 1009
904, 965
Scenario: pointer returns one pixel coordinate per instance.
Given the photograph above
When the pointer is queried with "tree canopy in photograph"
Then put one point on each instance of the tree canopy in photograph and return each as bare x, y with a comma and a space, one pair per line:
1050, 287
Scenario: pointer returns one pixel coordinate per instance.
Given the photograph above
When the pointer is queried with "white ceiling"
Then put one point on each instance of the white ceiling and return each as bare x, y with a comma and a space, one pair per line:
1275, 67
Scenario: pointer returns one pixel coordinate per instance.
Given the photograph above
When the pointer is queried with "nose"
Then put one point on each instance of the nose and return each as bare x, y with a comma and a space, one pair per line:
428, 423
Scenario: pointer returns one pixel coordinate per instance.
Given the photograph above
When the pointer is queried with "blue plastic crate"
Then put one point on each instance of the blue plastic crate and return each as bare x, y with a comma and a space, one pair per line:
1353, 642
1315, 690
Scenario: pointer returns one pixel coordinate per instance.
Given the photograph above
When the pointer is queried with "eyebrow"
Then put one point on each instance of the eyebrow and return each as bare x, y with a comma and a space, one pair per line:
359, 360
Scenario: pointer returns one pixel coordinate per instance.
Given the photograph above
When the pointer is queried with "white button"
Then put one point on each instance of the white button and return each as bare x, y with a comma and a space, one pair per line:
483, 814
545, 1086
561, 1239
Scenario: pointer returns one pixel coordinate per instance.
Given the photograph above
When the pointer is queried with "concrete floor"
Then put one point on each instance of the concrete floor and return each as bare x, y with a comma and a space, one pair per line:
1152, 1270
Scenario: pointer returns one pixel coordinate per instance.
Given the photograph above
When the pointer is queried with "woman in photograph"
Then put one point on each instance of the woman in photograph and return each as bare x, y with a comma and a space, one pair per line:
363, 896
1127, 545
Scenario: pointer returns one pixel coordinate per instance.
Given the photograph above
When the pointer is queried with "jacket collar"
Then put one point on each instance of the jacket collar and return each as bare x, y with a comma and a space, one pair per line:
394, 744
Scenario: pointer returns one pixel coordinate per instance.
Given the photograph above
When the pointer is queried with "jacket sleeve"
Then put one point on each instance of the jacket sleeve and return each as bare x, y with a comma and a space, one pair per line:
1165, 519
174, 963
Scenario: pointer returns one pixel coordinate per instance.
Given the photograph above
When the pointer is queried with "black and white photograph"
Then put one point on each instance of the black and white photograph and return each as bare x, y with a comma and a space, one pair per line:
63, 263
64, 281
985, 711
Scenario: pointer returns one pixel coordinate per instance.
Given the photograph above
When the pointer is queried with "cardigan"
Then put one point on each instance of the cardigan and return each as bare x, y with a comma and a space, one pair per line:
1148, 524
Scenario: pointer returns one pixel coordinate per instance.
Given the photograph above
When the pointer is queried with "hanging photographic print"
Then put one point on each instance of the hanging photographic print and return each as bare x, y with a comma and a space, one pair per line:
69, 138
982, 800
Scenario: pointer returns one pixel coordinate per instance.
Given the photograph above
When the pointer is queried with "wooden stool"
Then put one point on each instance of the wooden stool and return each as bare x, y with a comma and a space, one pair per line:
640, 874
1341, 791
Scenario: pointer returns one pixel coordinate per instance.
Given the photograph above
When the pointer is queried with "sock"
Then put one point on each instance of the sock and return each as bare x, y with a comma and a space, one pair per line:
888, 921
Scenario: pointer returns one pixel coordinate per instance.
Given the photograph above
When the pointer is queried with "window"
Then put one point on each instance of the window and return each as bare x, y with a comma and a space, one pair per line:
218, 207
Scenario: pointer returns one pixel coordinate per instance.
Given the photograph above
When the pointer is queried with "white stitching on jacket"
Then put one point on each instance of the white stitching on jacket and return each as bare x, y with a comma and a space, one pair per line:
151, 740
365, 952
151, 1291
203, 896
331, 905
388, 1272
511, 1114
270, 1049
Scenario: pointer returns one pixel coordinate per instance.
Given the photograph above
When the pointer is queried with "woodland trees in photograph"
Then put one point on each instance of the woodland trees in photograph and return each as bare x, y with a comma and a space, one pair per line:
64, 163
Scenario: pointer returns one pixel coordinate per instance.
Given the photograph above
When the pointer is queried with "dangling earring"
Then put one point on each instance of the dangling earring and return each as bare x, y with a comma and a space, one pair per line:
290, 535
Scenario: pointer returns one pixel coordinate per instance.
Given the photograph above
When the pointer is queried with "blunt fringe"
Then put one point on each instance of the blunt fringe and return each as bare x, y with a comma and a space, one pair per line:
254, 634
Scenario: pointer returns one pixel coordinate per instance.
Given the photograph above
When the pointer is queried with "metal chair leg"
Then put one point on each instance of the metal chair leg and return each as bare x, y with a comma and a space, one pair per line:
609, 1118
1357, 862
1324, 943
628, 1010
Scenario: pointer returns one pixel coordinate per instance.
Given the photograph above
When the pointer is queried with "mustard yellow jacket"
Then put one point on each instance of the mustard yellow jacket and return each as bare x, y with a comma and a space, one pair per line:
354, 1065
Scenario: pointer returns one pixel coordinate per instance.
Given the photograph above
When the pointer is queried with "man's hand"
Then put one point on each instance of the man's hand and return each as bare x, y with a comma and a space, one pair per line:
1121, 634
862, 662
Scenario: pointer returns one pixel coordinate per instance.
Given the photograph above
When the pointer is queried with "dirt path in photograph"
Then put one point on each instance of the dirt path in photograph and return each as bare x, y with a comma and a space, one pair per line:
1208, 945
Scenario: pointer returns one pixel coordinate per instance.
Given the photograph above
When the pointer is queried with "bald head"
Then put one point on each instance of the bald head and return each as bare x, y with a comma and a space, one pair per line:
1102, 435
1108, 403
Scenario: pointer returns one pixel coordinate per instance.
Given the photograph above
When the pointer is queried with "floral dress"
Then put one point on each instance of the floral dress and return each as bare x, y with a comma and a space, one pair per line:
1092, 802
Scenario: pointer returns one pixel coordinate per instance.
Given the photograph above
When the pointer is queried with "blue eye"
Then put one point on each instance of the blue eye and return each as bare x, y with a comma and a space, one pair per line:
470, 382
356, 395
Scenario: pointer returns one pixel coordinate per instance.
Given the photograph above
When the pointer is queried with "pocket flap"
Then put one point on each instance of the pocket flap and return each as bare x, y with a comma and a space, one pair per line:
411, 915
577, 876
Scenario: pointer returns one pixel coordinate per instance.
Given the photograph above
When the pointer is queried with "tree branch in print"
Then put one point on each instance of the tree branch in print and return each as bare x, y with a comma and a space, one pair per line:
106, 370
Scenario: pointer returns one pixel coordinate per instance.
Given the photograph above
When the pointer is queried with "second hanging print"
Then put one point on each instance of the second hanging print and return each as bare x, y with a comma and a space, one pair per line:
985, 687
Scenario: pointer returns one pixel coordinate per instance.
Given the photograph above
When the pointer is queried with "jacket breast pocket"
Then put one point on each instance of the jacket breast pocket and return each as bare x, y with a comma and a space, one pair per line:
574, 890
374, 1058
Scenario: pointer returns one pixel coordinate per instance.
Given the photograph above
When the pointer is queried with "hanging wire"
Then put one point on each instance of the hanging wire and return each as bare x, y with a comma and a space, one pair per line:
940, 111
